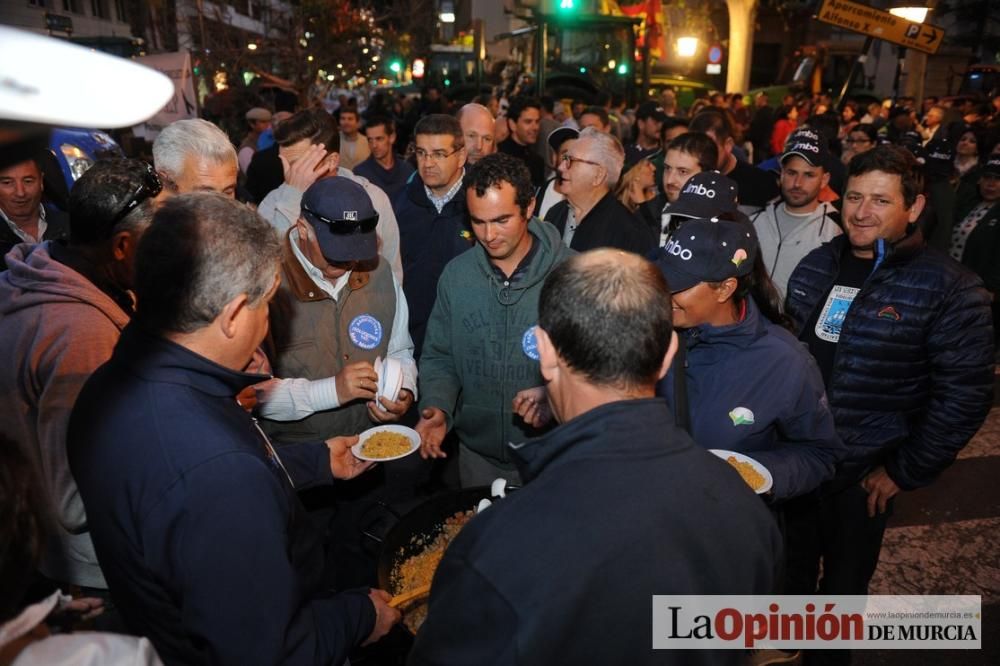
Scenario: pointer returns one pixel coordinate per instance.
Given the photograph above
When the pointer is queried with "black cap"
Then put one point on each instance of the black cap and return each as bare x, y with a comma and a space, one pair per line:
707, 251
939, 157
706, 194
343, 217
992, 166
561, 135
810, 148
650, 110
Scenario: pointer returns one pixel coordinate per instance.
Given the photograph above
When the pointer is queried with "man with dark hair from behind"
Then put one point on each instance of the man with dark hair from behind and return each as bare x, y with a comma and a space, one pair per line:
523, 118
384, 167
480, 359
904, 338
616, 471
194, 513
62, 307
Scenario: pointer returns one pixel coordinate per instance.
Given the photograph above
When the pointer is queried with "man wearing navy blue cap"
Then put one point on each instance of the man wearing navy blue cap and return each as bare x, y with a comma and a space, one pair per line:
796, 225
338, 309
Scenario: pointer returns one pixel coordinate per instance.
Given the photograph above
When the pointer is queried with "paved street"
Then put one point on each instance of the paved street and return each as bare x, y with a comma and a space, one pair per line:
945, 539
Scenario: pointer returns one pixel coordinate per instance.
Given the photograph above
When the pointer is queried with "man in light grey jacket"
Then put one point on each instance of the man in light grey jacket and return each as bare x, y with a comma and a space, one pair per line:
795, 225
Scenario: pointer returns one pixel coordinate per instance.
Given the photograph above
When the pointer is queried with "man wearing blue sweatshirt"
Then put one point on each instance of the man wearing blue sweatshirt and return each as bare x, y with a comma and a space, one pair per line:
193, 513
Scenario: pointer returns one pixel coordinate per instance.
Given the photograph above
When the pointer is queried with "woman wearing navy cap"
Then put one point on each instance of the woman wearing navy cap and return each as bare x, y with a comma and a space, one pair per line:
747, 384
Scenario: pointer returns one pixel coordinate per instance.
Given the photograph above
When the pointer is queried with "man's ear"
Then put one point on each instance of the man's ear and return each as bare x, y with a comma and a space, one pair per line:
669, 357
917, 208
123, 245
726, 290
548, 358
228, 319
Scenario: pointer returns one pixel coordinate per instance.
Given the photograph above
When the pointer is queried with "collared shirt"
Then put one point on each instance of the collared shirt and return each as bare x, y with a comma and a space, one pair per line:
522, 266
21, 233
294, 399
441, 201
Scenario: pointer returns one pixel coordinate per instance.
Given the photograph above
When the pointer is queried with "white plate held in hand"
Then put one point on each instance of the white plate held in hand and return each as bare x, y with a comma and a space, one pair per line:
409, 433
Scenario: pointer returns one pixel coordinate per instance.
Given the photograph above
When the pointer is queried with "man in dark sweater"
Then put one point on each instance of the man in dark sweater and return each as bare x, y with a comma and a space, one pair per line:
618, 504
756, 187
384, 167
431, 212
523, 120
193, 513
591, 216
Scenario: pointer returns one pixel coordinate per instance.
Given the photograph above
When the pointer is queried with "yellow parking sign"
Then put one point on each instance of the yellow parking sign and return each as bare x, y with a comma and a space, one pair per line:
880, 24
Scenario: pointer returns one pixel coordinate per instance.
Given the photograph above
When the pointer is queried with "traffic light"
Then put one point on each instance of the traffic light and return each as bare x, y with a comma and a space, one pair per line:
396, 66
567, 5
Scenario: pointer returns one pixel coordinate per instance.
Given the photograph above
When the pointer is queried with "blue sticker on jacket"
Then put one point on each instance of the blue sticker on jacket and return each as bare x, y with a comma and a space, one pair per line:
365, 331
529, 343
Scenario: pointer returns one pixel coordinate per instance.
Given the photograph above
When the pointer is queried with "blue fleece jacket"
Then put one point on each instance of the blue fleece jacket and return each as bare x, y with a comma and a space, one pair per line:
753, 388
203, 541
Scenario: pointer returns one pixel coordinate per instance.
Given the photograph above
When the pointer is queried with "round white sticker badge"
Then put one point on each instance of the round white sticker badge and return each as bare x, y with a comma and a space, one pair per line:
365, 331
529, 343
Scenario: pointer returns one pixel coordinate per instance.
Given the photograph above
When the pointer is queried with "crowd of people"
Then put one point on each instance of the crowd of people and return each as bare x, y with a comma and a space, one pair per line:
582, 300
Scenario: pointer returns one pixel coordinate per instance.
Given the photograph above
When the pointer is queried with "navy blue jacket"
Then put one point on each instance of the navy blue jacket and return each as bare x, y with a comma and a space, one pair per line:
618, 505
753, 388
912, 377
201, 537
428, 240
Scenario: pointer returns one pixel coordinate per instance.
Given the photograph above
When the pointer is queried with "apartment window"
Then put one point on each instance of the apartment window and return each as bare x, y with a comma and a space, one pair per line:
121, 10
75, 6
99, 9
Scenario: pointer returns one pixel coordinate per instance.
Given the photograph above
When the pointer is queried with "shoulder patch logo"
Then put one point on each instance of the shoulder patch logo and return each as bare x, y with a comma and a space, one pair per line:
889, 312
741, 416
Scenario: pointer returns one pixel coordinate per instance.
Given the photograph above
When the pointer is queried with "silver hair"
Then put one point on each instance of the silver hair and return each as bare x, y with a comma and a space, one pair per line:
607, 151
202, 250
192, 136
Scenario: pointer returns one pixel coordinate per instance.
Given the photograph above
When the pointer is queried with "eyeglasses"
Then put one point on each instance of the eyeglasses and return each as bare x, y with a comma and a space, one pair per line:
345, 227
148, 188
433, 156
569, 161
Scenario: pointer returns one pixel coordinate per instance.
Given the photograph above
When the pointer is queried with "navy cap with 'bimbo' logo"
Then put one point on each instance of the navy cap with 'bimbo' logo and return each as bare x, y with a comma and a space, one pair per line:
707, 250
706, 194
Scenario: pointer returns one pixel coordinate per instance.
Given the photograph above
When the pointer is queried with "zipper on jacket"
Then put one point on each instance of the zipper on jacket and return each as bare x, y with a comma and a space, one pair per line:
270, 451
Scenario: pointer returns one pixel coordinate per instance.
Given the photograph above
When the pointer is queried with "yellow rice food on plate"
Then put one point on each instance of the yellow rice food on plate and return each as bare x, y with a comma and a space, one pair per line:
385, 445
419, 569
753, 478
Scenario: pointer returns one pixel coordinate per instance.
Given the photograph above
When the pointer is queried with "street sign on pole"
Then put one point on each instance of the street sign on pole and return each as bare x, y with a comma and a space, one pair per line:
881, 25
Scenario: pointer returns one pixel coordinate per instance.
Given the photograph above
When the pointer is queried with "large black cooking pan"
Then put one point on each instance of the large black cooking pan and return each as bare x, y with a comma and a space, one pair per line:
424, 521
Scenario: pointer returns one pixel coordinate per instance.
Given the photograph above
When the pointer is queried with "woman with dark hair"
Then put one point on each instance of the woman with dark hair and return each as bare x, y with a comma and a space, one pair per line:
745, 383
970, 152
862, 138
849, 119
784, 123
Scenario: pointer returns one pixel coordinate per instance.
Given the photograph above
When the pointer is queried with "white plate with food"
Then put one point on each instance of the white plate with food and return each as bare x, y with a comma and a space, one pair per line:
756, 475
386, 442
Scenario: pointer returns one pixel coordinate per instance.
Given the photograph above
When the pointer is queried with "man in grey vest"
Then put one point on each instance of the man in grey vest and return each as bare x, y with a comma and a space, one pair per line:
338, 309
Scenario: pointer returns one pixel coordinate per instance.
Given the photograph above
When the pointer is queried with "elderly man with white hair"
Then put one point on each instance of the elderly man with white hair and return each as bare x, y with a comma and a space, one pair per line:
193, 155
591, 216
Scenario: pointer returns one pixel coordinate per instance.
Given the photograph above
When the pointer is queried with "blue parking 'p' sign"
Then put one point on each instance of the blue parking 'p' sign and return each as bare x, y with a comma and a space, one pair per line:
365, 331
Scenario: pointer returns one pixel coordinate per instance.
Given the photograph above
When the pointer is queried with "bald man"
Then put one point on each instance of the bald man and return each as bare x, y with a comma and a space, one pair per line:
477, 126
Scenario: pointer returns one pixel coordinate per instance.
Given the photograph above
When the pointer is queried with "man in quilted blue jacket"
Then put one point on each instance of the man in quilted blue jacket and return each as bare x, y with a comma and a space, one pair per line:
903, 336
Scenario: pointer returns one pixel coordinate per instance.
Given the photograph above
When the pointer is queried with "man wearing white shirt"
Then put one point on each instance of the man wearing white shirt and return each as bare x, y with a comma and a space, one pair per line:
309, 148
338, 309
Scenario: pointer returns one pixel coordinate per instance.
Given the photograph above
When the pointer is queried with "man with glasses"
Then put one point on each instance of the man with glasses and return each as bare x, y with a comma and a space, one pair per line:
591, 216
432, 216
62, 309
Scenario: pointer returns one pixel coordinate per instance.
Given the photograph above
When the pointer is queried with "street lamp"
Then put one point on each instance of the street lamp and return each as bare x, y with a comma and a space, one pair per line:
447, 14
911, 14
687, 46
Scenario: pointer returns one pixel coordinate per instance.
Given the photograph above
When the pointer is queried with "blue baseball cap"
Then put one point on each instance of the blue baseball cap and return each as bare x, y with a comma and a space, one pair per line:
708, 250
343, 217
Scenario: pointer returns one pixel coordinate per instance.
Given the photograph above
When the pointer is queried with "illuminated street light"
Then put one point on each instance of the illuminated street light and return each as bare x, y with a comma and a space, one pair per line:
687, 46
447, 13
251, 46
911, 14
